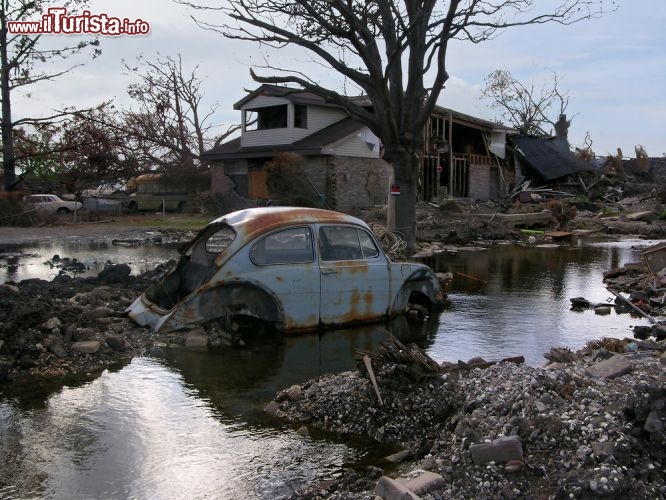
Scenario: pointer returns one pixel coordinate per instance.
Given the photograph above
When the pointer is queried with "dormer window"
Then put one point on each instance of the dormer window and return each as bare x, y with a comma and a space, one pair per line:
300, 116
265, 118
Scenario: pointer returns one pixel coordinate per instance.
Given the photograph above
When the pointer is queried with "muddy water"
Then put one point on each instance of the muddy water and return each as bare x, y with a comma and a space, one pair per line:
180, 424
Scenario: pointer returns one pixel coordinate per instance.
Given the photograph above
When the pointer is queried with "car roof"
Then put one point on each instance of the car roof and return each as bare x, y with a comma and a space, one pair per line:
270, 217
252, 222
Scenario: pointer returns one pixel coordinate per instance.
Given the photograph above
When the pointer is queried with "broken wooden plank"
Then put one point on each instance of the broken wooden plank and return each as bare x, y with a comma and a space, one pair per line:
368, 366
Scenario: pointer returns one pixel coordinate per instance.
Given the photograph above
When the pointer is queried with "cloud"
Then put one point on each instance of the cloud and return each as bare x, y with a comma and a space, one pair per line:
612, 68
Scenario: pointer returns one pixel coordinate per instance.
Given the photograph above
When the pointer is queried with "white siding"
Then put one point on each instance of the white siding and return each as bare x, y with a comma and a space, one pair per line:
318, 118
355, 145
268, 137
262, 101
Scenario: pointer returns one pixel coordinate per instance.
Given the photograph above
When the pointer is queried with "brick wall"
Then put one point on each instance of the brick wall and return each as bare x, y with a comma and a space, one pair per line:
483, 182
348, 183
219, 183
361, 182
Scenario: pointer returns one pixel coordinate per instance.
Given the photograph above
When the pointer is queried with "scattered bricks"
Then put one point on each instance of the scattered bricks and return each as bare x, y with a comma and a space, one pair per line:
602, 450
98, 312
116, 342
294, 393
653, 422
614, 367
390, 489
272, 408
196, 339
514, 466
10, 288
398, 457
421, 481
52, 323
86, 346
501, 450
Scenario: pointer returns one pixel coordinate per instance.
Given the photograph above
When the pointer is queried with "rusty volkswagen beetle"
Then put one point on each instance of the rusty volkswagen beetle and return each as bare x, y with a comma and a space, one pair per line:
297, 268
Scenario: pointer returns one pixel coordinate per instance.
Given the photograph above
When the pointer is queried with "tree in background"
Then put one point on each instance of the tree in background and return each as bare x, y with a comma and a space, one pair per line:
533, 111
21, 60
170, 128
82, 149
393, 51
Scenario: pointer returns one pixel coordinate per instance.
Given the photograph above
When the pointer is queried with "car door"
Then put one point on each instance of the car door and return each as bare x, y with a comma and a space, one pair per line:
284, 262
355, 284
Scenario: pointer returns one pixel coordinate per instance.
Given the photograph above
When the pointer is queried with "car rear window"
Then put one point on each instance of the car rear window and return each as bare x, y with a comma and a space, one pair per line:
220, 240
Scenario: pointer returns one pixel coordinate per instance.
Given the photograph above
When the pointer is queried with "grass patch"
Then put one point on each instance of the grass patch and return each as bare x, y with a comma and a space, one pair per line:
175, 221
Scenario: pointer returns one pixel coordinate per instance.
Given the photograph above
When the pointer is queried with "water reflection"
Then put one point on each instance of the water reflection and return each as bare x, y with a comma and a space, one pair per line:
510, 300
25, 261
181, 424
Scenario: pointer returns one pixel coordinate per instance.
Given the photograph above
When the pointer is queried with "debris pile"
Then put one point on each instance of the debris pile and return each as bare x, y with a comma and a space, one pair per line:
583, 427
69, 325
645, 284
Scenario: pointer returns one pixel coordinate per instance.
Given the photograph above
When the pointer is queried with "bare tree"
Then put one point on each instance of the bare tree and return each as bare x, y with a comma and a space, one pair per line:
21, 57
534, 111
170, 128
394, 51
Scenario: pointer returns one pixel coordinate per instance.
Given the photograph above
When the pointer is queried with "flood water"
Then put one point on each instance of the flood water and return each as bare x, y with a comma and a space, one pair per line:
181, 424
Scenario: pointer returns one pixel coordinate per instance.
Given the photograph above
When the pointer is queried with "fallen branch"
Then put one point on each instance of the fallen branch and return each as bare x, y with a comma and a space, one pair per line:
472, 277
462, 366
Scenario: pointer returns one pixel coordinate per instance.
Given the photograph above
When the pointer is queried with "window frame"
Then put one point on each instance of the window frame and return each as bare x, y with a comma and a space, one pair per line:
254, 250
326, 246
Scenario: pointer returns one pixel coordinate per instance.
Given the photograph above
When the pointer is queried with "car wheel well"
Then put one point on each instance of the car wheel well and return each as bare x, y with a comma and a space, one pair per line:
247, 303
63, 210
421, 299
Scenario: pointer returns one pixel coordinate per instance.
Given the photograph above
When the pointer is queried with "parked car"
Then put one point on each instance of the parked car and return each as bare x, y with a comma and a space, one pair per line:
297, 268
51, 203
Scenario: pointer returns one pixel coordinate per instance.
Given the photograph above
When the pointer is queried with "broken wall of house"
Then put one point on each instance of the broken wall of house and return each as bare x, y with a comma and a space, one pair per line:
484, 181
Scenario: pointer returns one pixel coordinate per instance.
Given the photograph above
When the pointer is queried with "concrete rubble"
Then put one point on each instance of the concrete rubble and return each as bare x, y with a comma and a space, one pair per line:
583, 428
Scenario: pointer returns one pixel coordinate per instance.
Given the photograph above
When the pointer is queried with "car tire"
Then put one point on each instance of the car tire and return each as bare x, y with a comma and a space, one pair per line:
132, 207
63, 210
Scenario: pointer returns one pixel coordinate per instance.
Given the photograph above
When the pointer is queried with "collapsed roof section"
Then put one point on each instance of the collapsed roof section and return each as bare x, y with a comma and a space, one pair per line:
549, 158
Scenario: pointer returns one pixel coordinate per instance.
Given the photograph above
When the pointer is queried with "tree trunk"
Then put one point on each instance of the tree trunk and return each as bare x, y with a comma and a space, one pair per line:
402, 200
8, 154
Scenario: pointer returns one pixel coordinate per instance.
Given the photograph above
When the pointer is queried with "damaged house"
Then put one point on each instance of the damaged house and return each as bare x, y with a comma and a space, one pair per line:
545, 161
341, 158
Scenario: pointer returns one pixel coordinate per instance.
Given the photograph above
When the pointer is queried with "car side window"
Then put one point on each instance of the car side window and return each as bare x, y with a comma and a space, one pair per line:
290, 246
370, 250
344, 243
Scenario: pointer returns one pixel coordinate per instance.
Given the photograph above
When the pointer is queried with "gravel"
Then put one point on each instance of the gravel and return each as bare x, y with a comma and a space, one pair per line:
581, 436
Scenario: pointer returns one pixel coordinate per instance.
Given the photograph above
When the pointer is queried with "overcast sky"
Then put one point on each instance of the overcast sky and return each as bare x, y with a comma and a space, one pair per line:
613, 69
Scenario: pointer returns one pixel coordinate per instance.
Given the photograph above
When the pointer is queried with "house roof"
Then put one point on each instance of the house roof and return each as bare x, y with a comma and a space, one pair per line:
310, 145
306, 97
472, 120
293, 94
549, 157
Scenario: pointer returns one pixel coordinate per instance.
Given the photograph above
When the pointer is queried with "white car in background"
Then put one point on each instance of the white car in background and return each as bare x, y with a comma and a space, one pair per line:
50, 203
